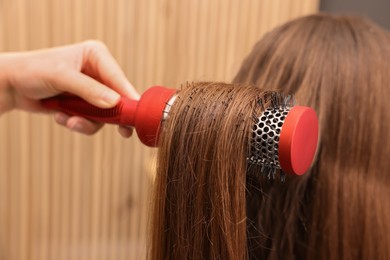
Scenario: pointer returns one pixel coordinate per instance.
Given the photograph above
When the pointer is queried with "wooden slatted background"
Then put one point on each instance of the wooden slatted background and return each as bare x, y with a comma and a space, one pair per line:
67, 196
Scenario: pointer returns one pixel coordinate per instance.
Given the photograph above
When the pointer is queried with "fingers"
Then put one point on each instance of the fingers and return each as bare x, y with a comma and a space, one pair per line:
85, 126
102, 65
100, 81
125, 132
87, 70
77, 124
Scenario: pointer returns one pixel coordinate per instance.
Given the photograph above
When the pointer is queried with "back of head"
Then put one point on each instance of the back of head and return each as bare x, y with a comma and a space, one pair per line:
340, 66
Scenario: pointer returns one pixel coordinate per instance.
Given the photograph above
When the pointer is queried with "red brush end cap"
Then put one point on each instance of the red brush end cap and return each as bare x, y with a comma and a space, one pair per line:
149, 113
298, 140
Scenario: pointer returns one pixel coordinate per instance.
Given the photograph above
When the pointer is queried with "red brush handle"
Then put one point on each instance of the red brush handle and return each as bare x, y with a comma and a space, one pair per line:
145, 115
122, 114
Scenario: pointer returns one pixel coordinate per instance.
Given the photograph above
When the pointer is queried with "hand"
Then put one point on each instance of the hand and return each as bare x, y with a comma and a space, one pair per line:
86, 69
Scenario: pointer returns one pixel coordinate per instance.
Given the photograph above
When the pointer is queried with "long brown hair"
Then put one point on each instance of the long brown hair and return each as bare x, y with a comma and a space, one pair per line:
339, 65
199, 206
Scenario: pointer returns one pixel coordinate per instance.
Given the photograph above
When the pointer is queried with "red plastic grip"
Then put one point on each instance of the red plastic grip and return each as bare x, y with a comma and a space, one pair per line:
145, 115
122, 114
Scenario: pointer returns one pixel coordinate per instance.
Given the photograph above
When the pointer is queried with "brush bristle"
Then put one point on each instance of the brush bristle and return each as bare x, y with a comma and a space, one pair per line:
266, 134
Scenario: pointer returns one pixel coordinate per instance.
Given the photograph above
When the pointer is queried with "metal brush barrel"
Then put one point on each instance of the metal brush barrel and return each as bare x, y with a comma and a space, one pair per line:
266, 135
265, 140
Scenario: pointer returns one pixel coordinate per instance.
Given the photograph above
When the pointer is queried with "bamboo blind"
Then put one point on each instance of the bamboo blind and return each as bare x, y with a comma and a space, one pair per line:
67, 196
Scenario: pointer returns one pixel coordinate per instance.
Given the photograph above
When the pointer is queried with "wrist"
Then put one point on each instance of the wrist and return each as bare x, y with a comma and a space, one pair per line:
7, 65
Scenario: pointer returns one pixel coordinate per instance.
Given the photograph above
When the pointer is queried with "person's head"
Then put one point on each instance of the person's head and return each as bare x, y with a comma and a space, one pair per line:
340, 66
210, 205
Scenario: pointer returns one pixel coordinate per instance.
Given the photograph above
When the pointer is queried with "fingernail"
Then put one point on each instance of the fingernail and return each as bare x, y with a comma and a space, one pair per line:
61, 118
133, 92
78, 128
126, 132
111, 97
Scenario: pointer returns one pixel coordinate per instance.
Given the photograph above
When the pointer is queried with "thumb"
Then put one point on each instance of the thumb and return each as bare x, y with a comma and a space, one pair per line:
87, 88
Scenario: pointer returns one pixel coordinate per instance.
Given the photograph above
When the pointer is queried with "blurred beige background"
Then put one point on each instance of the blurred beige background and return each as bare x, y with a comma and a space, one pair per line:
67, 196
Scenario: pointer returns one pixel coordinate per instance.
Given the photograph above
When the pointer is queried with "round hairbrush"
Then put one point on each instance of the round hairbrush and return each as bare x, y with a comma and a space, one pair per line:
284, 136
